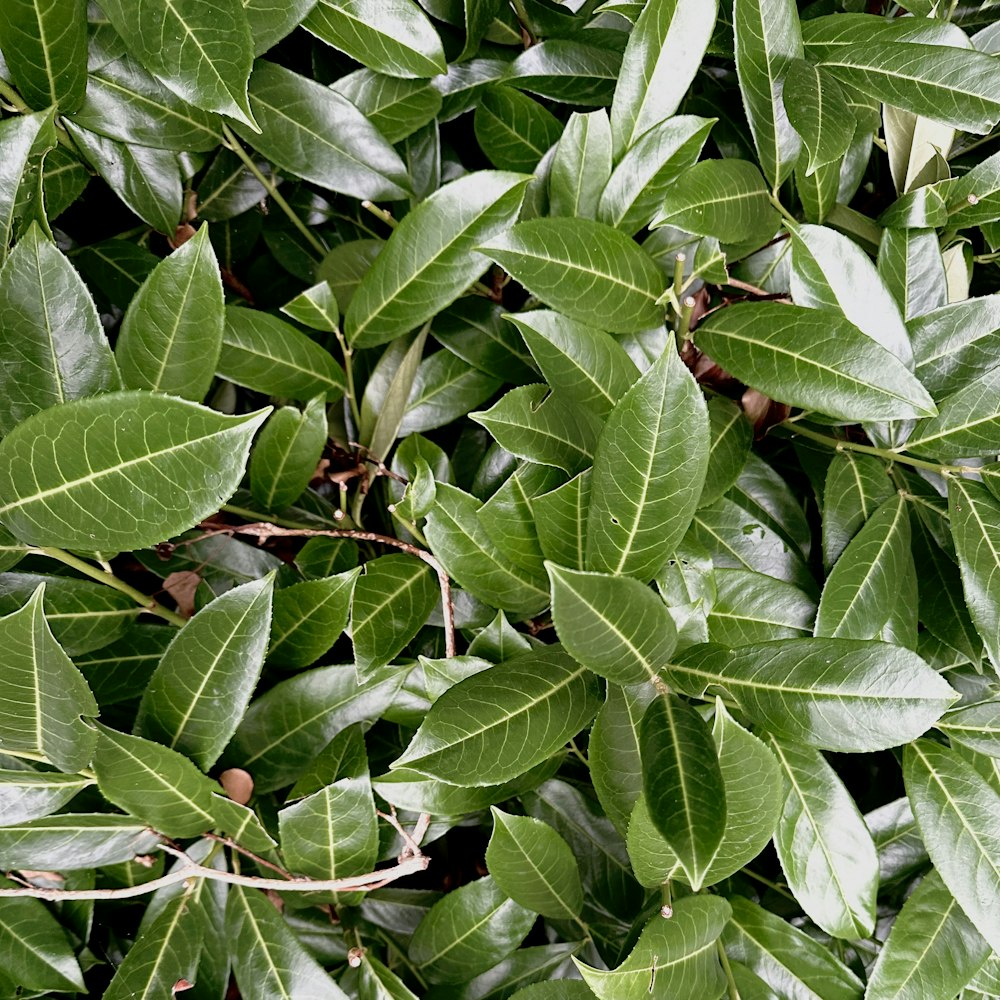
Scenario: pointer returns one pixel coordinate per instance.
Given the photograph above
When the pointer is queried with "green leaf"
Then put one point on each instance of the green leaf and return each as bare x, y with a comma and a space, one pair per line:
966, 423
28, 795
951, 85
856, 485
430, 258
911, 265
316, 134
972, 199
581, 165
583, 269
286, 454
955, 344
751, 607
474, 329
468, 932
285, 728
71, 841
955, 808
26, 139
975, 528
316, 308
818, 110
395, 38
579, 362
644, 174
833, 694
165, 953
269, 962
639, 512
663, 54
507, 719
791, 962
42, 695
154, 783
731, 436
331, 833
824, 847
126, 103
727, 199
541, 426
768, 43
682, 783
171, 335
677, 955
202, 686
268, 355
389, 387
392, 600
471, 557
37, 954
72, 495
616, 626
377, 982
571, 70
52, 343
814, 359
933, 947
975, 726
533, 865
45, 46
308, 618
861, 591
513, 130
201, 52
561, 521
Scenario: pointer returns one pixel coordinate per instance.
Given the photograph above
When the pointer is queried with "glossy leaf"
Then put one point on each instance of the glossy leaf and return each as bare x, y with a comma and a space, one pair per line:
751, 607
856, 485
581, 165
513, 130
818, 110
308, 617
27, 138
286, 454
26, 795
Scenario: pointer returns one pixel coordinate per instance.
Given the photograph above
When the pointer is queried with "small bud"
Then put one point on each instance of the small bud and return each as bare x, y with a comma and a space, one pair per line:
354, 957
338, 515
973, 199
666, 911
391, 508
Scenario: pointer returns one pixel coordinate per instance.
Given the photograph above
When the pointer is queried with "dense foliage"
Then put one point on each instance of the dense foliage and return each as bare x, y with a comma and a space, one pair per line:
500, 499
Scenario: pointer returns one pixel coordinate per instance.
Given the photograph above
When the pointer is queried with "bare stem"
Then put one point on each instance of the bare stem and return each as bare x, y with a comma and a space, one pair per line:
272, 189
352, 395
734, 993
380, 213
13, 98
109, 579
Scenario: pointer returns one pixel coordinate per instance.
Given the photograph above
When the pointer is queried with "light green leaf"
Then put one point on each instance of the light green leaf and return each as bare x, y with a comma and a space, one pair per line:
956, 344
468, 932
955, 809
818, 110
286, 454
751, 607
861, 591
975, 527
73, 495
376, 982
395, 37
45, 46
202, 686
824, 847
856, 485
431, 257
933, 947
513, 130
974, 198
52, 346
815, 359
579, 362
833, 694
28, 795
42, 695
392, 600
26, 139
269, 962
967, 422
975, 726
727, 199
533, 865
640, 511
268, 355
581, 165
309, 617
911, 265
74, 841
662, 57
506, 719
682, 784
561, 521
316, 308
316, 134
583, 269
768, 42
171, 335
616, 626
676, 955
471, 557
202, 52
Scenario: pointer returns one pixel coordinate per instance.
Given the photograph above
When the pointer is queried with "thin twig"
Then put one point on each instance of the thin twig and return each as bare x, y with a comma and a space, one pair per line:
263, 862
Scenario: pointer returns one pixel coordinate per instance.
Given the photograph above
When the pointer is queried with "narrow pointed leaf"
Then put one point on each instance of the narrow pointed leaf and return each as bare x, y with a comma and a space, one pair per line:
28, 795
26, 139
911, 265
581, 165
506, 720
818, 110
431, 257
968, 422
74, 841
751, 607
561, 521
73, 495
640, 511
955, 344
513, 130
856, 486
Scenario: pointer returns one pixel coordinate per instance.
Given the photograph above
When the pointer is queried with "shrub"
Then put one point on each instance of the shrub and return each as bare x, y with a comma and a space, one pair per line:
504, 506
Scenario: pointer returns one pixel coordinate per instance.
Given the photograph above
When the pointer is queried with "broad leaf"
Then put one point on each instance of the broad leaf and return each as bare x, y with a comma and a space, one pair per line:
814, 359
954, 345
513, 130
286, 454
74, 841
308, 618
818, 110
28, 795
196, 698
833, 694
911, 265
751, 607
638, 513
966, 424
26, 138
856, 485
431, 257
75, 495
507, 719
581, 165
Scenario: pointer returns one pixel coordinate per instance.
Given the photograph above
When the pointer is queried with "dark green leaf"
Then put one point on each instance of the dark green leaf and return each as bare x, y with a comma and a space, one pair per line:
309, 617
856, 485
26, 139
286, 454
818, 110
514, 131
751, 607
581, 165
